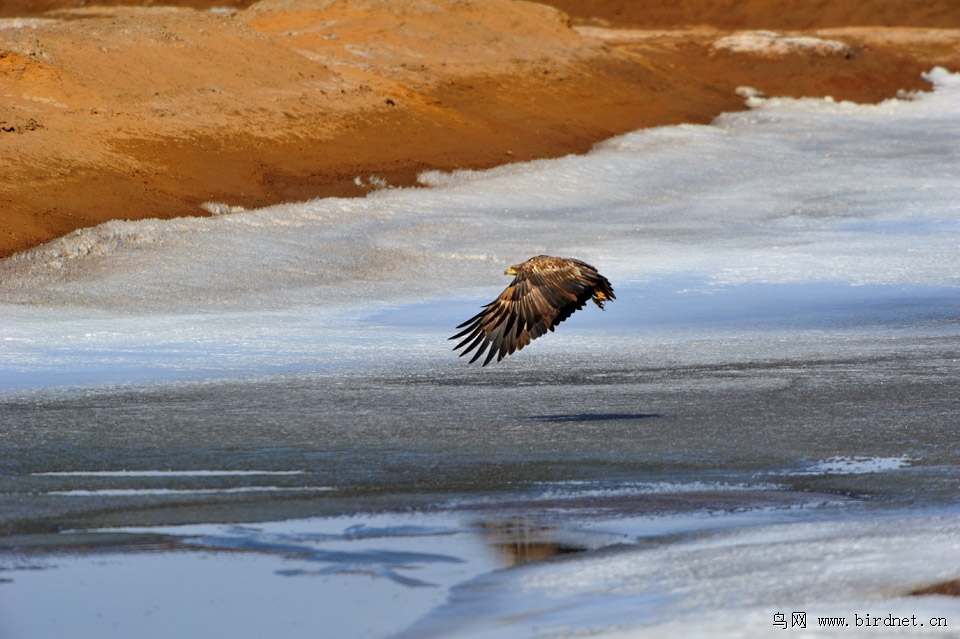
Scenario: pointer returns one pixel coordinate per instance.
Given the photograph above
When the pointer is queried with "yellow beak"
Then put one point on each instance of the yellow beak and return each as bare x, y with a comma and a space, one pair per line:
510, 271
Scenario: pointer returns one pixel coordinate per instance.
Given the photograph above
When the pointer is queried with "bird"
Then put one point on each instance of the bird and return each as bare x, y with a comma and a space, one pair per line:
545, 291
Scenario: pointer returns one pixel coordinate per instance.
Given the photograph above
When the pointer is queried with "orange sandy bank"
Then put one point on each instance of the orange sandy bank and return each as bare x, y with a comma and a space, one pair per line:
131, 112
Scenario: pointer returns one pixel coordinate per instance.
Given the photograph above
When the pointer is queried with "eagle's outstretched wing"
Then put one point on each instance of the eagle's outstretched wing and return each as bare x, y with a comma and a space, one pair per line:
544, 292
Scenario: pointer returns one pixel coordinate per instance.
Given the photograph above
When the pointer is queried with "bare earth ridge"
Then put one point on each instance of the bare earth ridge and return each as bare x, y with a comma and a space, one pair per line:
132, 112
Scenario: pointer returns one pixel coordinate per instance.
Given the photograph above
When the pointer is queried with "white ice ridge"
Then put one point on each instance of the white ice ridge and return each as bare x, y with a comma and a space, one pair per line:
159, 492
581, 489
857, 465
163, 473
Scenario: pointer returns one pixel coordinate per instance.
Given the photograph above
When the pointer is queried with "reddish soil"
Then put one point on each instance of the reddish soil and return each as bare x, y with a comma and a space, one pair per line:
131, 112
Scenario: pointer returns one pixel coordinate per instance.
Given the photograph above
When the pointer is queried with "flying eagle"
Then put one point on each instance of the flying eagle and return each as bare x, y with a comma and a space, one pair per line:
545, 291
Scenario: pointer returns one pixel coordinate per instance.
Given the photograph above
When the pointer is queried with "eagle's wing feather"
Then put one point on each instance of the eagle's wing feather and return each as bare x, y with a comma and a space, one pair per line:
544, 292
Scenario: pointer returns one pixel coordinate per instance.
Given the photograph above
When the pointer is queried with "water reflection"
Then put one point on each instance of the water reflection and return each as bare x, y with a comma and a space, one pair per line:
946, 588
522, 540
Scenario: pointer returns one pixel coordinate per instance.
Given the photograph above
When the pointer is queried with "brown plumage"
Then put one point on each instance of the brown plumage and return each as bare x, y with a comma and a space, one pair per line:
545, 291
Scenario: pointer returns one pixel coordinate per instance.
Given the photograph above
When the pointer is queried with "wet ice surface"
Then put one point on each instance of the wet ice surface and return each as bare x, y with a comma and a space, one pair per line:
252, 425
720, 584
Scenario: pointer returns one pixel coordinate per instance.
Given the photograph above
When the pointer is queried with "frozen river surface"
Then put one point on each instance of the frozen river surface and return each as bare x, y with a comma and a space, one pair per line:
251, 425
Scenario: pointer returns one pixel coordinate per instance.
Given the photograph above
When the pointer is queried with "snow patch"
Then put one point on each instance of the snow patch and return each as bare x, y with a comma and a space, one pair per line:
774, 44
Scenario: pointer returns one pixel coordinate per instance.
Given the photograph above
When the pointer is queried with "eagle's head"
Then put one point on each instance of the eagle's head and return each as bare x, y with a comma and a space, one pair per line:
512, 270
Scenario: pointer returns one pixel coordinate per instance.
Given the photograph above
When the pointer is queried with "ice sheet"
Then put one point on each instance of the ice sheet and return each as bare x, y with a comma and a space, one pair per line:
794, 207
722, 584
